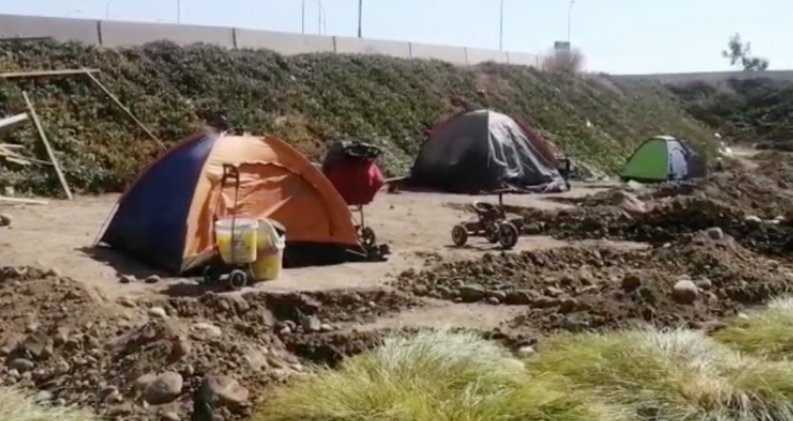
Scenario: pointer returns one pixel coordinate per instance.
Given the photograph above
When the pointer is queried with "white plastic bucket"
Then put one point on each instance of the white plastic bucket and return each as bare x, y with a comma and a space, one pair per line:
270, 252
236, 240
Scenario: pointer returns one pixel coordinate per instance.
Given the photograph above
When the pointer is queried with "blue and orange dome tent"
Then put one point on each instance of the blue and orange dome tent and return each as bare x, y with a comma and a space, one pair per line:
165, 217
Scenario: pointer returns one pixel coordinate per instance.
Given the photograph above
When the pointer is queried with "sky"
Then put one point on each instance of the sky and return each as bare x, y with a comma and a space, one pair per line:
616, 36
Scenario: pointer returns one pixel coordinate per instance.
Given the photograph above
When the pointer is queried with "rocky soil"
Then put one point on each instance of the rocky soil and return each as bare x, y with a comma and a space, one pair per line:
163, 358
751, 206
687, 282
716, 246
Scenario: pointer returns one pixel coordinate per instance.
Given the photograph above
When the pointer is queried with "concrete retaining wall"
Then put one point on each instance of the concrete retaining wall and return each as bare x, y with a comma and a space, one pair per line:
127, 34
63, 29
283, 42
680, 78
123, 34
117, 33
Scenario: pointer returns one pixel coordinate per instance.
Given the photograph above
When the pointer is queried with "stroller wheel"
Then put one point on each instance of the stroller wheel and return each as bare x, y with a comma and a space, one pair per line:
368, 237
238, 279
492, 232
459, 235
508, 235
210, 274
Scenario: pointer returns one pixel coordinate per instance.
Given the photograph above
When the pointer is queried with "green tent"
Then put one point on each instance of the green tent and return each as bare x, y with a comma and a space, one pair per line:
663, 158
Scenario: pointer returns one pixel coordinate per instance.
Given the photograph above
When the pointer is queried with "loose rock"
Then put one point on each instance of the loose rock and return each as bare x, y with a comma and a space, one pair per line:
158, 312
472, 292
21, 365
152, 279
311, 324
227, 390
715, 233
685, 292
631, 282
165, 388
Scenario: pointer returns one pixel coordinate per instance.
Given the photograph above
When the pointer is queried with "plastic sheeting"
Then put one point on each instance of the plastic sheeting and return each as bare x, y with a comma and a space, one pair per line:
481, 151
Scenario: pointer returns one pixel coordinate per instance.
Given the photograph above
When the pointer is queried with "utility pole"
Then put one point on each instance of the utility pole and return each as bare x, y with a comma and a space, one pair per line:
570, 22
501, 26
320, 14
321, 17
360, 18
107, 9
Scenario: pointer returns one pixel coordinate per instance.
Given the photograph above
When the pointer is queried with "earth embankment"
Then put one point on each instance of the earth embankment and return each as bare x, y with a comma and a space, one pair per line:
308, 99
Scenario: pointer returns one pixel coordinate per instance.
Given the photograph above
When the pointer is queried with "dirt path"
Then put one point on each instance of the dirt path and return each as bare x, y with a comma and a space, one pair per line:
416, 225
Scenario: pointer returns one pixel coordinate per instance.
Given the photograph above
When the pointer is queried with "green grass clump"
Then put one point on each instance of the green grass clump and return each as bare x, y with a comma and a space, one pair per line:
17, 406
678, 375
765, 332
432, 376
309, 100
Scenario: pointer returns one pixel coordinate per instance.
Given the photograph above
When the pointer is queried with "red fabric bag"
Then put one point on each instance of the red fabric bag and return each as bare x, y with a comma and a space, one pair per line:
357, 179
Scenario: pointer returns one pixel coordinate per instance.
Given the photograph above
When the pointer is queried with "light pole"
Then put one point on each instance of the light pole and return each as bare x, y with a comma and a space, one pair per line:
107, 8
321, 16
360, 18
501, 26
570, 21
303, 18
178, 11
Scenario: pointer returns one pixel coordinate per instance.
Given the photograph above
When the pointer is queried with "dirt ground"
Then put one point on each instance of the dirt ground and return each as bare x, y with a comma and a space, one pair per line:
598, 257
60, 235
417, 226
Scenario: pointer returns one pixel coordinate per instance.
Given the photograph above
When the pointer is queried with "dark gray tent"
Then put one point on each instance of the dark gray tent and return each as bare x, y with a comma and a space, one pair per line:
477, 151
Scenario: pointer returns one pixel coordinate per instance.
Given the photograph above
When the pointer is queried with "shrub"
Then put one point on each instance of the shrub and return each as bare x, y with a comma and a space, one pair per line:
766, 332
565, 61
676, 375
432, 376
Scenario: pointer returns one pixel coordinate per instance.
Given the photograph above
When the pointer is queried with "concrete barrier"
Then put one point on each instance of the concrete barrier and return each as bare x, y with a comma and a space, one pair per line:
681, 78
284, 43
61, 29
345, 45
125, 34
454, 55
523, 59
118, 33
478, 55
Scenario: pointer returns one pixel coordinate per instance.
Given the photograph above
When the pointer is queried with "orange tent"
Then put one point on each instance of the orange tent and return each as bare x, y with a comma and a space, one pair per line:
165, 217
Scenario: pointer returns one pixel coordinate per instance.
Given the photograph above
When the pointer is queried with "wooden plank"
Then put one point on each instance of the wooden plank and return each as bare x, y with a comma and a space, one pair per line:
50, 152
13, 120
17, 161
23, 201
8, 152
47, 73
123, 108
10, 155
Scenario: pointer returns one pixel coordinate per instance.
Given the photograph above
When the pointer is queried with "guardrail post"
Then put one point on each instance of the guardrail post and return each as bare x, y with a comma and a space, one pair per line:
99, 32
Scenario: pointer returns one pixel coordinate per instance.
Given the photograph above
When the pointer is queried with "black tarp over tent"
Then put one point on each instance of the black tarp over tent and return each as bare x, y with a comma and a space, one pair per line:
476, 151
